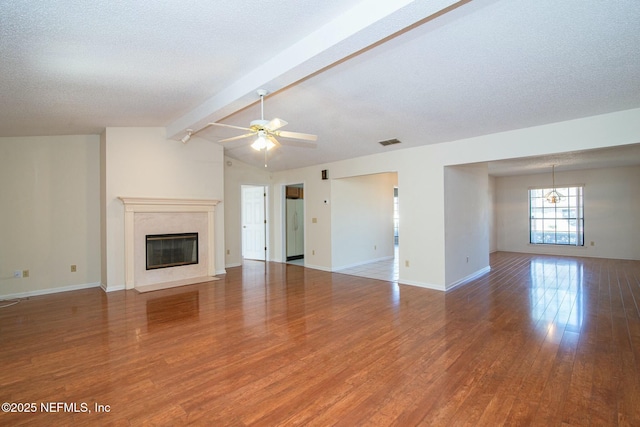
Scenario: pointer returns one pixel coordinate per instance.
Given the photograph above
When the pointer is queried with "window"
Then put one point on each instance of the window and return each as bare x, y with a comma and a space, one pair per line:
559, 223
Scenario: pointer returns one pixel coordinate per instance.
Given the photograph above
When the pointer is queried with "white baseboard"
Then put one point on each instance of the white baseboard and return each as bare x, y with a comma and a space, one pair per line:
51, 291
421, 285
112, 288
317, 267
469, 277
462, 281
358, 264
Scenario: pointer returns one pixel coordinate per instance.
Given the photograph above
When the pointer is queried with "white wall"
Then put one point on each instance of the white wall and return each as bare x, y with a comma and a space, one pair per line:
611, 209
142, 162
493, 216
362, 219
49, 190
237, 174
317, 237
421, 227
467, 219
421, 184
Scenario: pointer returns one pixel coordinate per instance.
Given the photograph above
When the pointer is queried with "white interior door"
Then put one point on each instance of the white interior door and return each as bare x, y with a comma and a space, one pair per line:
253, 222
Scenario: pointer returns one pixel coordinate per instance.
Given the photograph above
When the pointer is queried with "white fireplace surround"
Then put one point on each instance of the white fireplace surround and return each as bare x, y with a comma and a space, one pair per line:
158, 216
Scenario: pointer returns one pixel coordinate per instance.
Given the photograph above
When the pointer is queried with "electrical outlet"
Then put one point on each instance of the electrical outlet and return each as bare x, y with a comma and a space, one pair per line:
25, 273
74, 268
228, 251
406, 263
313, 252
17, 274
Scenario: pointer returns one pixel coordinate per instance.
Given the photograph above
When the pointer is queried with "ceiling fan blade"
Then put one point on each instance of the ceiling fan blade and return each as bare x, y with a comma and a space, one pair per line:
246, 135
297, 135
274, 140
275, 124
227, 126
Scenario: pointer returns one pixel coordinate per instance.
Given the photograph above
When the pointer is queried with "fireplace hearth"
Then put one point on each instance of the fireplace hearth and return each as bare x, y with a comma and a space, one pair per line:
180, 218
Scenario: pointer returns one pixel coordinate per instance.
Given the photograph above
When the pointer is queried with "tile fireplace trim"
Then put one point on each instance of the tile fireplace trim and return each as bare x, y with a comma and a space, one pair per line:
133, 205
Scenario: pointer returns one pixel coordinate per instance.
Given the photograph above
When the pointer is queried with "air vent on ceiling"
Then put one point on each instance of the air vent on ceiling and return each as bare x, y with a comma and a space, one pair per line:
390, 142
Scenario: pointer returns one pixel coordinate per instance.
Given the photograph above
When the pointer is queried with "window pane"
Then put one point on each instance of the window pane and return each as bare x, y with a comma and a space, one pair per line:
537, 203
560, 223
537, 231
537, 213
549, 237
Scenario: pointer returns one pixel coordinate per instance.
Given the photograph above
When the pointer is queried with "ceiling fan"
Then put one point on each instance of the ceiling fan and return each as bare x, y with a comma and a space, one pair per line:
265, 131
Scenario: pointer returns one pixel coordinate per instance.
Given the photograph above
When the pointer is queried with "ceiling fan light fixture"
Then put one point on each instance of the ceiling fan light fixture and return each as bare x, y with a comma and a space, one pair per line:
262, 142
264, 131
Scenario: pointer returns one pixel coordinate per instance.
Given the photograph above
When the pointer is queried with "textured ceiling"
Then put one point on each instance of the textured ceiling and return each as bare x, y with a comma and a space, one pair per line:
73, 67
627, 155
374, 71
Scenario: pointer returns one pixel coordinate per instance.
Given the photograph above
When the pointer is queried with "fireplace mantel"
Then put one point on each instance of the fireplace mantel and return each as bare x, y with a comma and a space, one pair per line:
146, 205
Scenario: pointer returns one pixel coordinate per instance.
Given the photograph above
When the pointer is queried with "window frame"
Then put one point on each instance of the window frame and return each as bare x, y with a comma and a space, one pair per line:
546, 222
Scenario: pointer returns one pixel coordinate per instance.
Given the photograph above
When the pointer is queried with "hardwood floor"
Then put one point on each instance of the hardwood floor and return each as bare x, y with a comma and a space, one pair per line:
537, 341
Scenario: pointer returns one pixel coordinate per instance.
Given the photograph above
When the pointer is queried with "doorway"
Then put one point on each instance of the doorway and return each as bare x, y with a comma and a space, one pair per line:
294, 220
366, 226
254, 224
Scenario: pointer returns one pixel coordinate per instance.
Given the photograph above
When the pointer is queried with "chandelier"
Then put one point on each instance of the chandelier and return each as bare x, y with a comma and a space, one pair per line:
553, 196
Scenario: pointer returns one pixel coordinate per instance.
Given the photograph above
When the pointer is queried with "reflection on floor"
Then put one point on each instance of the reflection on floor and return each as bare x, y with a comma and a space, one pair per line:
382, 270
296, 261
538, 340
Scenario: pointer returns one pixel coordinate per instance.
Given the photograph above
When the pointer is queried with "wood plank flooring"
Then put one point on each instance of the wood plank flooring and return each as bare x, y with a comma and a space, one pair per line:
539, 340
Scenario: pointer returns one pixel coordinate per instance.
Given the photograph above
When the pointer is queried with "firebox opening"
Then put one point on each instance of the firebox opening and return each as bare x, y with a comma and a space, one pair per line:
171, 250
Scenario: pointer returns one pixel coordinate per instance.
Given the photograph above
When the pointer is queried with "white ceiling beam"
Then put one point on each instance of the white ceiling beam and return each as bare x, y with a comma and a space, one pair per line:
366, 24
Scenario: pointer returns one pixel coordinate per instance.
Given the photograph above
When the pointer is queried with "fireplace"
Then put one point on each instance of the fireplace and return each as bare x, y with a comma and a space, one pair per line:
186, 229
171, 250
